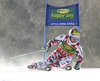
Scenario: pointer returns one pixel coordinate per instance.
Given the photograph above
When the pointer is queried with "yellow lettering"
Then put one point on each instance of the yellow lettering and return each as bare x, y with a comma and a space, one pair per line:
57, 15
70, 15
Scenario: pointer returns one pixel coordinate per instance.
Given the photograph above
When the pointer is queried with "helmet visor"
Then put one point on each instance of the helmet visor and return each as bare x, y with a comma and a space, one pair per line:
75, 36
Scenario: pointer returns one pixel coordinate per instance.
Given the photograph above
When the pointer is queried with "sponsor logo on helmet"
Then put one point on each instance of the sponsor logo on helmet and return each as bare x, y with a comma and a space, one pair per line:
63, 10
76, 32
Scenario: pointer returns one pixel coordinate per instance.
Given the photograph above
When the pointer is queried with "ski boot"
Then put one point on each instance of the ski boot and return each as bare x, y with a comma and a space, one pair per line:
32, 66
68, 68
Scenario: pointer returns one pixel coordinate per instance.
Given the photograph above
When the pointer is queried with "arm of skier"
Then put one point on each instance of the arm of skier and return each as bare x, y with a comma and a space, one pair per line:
56, 40
79, 54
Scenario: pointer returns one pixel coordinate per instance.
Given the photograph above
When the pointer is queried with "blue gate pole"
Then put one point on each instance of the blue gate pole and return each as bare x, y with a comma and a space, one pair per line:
45, 31
78, 17
78, 14
77, 1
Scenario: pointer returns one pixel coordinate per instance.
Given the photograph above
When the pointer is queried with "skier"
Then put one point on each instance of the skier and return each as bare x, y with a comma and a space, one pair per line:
62, 56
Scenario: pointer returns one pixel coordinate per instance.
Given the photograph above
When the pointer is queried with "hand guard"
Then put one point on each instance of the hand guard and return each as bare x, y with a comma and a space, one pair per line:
77, 66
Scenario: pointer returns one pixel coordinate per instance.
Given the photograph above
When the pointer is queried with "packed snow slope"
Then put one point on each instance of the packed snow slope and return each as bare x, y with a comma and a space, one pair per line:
23, 74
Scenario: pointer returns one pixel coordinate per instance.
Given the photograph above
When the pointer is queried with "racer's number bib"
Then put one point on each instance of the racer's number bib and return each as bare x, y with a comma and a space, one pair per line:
67, 48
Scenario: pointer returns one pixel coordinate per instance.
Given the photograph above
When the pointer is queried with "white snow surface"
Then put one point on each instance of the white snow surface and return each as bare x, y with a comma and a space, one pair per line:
24, 74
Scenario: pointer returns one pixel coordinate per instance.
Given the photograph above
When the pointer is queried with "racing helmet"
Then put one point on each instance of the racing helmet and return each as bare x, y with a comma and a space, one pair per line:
74, 32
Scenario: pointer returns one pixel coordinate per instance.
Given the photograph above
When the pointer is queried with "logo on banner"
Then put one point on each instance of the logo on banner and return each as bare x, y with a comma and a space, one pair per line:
63, 10
62, 13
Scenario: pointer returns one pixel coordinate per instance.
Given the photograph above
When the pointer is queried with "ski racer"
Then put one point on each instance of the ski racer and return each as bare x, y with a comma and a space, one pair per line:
62, 56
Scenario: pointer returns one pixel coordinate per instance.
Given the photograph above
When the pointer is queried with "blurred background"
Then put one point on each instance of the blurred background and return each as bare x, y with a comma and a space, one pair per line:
22, 30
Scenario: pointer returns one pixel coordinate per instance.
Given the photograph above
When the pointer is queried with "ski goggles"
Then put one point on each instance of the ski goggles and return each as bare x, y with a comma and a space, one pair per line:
75, 36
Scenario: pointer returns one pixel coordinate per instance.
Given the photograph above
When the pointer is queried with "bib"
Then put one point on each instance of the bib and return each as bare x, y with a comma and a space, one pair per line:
67, 48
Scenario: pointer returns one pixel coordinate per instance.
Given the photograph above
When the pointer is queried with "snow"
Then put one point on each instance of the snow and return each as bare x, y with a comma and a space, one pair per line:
23, 74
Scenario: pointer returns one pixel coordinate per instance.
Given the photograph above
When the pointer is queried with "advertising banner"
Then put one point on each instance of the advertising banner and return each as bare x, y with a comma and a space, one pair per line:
62, 16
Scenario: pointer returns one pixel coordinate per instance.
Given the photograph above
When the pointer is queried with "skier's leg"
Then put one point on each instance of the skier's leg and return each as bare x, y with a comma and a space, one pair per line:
63, 62
54, 55
37, 65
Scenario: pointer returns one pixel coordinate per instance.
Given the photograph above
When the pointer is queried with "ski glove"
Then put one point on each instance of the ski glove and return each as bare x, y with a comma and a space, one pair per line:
77, 65
46, 48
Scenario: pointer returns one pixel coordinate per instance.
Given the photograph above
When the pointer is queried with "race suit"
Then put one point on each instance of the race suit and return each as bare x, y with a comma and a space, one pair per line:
62, 56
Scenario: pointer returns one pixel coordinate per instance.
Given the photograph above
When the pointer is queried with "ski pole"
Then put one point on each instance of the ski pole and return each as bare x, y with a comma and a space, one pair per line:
22, 55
